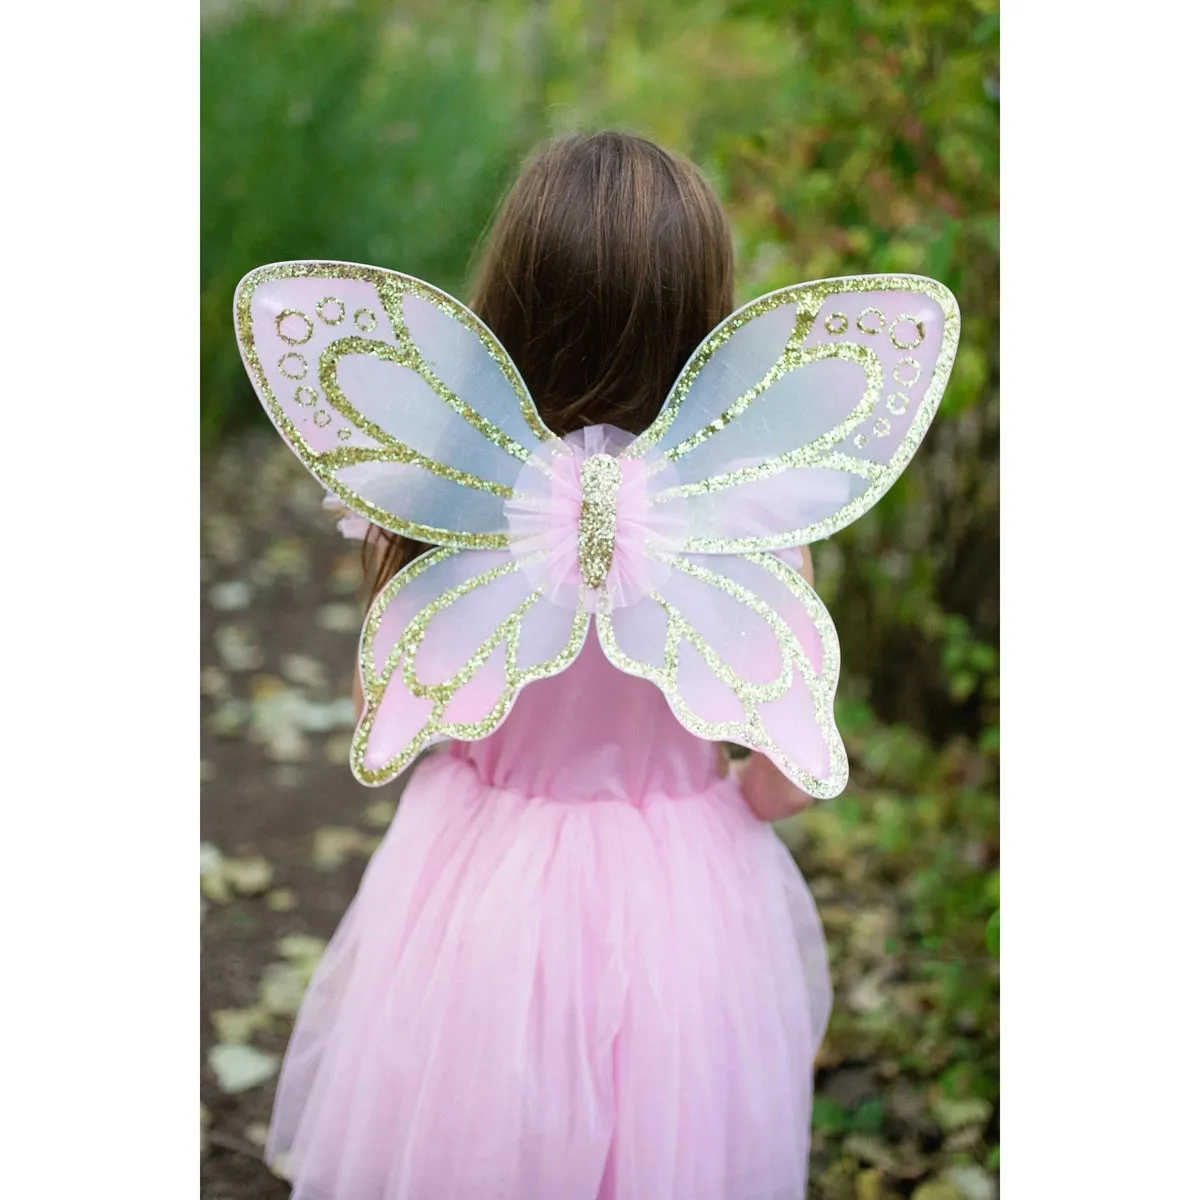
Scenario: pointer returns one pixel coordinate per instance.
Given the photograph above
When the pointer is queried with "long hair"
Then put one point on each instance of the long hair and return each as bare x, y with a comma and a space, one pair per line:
608, 262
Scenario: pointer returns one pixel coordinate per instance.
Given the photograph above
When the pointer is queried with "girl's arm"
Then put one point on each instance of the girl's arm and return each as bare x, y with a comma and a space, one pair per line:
768, 791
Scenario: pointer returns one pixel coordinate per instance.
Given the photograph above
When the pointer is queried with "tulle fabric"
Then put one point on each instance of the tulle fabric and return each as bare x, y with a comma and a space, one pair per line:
578, 967
554, 1000
544, 512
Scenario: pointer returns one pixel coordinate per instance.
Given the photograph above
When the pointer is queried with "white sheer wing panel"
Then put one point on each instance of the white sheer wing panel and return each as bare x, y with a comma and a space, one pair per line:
744, 651
446, 647
395, 396
796, 414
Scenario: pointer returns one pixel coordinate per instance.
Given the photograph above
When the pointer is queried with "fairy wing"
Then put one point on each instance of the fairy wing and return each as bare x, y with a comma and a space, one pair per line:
446, 647
394, 395
411, 414
791, 419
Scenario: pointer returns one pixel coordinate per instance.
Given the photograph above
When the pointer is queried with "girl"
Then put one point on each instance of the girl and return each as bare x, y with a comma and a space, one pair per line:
580, 966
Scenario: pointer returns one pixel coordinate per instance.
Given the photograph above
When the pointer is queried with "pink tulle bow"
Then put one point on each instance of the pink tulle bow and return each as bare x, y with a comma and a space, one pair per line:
544, 519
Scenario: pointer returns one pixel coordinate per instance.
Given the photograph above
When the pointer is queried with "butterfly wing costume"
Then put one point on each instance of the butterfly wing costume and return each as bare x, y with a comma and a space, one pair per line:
790, 420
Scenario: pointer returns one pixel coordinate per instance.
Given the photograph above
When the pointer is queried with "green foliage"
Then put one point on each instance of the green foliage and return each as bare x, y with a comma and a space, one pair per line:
348, 133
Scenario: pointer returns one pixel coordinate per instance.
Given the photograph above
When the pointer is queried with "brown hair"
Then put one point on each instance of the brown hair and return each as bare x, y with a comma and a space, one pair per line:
608, 262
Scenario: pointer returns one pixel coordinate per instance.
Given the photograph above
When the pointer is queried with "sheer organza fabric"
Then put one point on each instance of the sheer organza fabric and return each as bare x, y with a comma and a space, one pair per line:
578, 966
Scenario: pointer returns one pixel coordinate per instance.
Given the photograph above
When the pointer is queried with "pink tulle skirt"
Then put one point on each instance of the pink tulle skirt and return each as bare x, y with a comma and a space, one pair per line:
546, 1000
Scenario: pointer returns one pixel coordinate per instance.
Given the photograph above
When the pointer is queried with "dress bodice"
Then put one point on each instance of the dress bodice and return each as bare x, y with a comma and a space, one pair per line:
593, 732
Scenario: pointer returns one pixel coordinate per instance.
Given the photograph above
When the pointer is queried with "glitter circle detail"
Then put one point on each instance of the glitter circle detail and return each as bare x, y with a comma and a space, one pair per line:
365, 320
871, 312
293, 338
919, 326
897, 403
345, 433
322, 417
907, 361
882, 427
860, 440
306, 397
323, 313
293, 365
837, 323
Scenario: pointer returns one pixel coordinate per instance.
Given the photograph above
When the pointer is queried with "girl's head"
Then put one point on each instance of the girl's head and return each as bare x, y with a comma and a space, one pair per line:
609, 261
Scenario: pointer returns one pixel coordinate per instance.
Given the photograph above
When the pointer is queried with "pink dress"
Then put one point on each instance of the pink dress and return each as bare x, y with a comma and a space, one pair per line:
578, 967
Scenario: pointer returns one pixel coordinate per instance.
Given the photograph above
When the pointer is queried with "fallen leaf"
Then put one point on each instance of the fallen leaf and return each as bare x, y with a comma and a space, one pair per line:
231, 596
238, 1025
257, 1134
953, 1112
973, 1182
379, 815
300, 948
248, 876
213, 682
239, 1068
321, 717
937, 1189
212, 874
867, 995
870, 930
869, 1150
869, 1186
303, 671
276, 719
334, 844
286, 558
340, 618
224, 538
229, 717
282, 900
281, 989
237, 648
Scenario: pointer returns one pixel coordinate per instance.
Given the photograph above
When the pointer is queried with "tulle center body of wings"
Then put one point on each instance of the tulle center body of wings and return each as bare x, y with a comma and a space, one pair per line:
791, 419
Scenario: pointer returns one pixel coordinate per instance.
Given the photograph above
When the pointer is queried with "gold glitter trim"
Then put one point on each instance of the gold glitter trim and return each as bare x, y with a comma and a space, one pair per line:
809, 299
919, 326
599, 478
391, 288
807, 455
299, 372
321, 305
399, 669
283, 337
868, 312
797, 671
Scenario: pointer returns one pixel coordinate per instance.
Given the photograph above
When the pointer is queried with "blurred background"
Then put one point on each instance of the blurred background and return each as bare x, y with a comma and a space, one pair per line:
853, 137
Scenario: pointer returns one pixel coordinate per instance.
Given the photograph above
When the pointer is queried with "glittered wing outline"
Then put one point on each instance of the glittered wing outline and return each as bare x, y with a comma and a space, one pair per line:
471, 683
787, 712
888, 386
762, 443
366, 373
363, 372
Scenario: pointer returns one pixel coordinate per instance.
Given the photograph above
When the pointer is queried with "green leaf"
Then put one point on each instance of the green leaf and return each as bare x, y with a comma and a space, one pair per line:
829, 1116
993, 934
